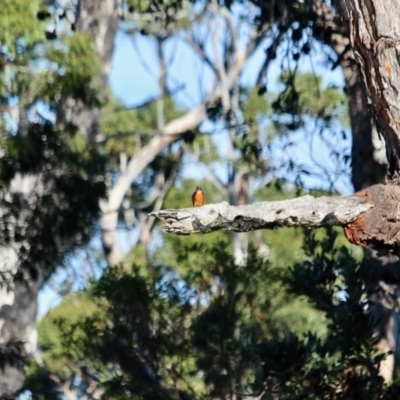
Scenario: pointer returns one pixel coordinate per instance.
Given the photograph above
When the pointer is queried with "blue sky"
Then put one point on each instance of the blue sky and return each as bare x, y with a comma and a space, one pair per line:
133, 82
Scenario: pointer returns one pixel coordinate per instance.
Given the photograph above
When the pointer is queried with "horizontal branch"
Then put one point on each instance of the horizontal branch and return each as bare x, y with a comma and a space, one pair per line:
307, 211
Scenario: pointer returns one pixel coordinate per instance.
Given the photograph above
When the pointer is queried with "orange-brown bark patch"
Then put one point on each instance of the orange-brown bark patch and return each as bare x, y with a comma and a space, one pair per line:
380, 225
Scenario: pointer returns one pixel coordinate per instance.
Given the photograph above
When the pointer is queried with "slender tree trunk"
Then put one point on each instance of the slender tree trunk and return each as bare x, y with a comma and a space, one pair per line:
100, 20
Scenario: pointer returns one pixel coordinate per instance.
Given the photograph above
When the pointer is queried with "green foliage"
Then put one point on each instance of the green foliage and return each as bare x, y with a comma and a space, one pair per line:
19, 27
218, 329
127, 130
163, 17
148, 313
303, 96
39, 71
254, 105
58, 358
50, 180
180, 196
75, 64
40, 75
346, 362
39, 382
202, 146
71, 188
20, 33
240, 315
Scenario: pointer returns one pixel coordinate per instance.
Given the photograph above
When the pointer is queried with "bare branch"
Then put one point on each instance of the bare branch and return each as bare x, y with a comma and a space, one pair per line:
304, 211
231, 26
370, 217
198, 48
216, 27
213, 179
162, 81
149, 221
276, 41
257, 36
142, 60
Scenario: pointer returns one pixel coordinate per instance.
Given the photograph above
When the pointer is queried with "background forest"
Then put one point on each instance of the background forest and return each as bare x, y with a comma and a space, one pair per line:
252, 100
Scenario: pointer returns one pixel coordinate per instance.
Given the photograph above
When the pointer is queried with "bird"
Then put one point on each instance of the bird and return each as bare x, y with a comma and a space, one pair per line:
198, 197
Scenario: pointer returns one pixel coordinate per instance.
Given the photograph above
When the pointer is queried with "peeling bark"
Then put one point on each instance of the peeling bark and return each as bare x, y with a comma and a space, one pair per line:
374, 34
367, 168
379, 227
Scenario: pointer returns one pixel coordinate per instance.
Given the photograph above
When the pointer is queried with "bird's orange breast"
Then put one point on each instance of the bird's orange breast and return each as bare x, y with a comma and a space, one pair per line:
198, 198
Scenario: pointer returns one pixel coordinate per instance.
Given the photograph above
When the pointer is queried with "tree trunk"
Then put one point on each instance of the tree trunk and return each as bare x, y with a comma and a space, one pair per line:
374, 34
21, 277
368, 168
100, 19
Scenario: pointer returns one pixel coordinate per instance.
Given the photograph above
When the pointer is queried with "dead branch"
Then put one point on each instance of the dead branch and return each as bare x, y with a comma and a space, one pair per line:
306, 211
369, 217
